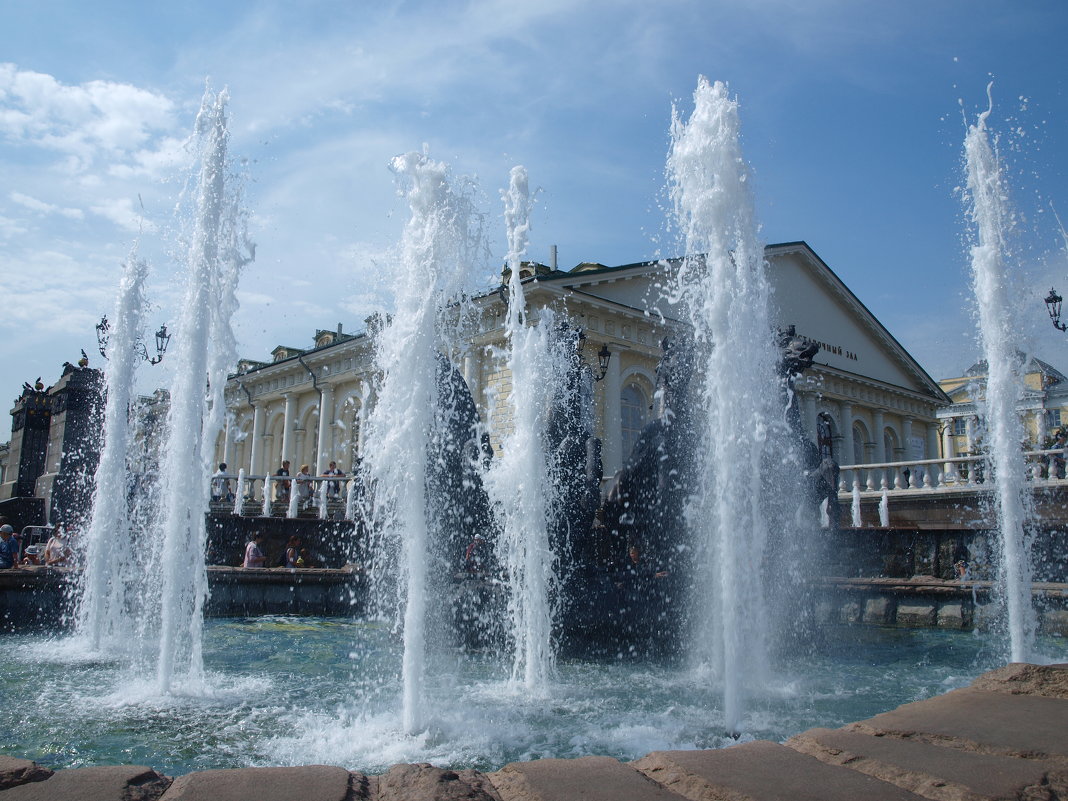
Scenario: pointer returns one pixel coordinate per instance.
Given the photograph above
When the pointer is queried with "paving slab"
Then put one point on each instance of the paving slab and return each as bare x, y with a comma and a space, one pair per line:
1020, 678
15, 771
104, 783
584, 779
423, 782
762, 771
944, 774
1029, 726
301, 783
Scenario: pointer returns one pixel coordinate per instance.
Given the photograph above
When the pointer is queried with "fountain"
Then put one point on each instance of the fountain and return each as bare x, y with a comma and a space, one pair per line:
723, 292
437, 240
156, 586
391, 686
987, 210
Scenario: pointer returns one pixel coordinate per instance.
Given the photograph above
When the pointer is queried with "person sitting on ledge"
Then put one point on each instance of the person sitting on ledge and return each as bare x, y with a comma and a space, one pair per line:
57, 553
254, 555
9, 547
291, 555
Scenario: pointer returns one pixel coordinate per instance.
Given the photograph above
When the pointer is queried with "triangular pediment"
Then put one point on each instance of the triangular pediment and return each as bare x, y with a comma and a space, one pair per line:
807, 294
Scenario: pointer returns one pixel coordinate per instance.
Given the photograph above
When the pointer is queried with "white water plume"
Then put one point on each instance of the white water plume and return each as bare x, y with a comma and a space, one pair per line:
435, 246
987, 210
519, 482
722, 287
204, 351
104, 615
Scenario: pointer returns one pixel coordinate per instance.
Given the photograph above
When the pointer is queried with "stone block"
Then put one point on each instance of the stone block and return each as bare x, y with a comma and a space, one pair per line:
934, 772
1029, 726
108, 783
588, 778
1019, 678
849, 612
425, 782
305, 782
762, 771
14, 772
950, 616
916, 615
876, 610
1054, 621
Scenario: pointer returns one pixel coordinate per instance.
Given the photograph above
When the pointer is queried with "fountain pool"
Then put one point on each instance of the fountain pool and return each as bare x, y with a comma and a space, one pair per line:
284, 690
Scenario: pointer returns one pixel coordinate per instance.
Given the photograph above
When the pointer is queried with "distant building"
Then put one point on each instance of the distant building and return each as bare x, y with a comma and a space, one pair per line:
866, 400
1042, 406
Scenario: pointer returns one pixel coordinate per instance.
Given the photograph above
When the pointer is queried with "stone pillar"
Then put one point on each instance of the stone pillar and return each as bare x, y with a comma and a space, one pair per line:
1041, 429
287, 429
969, 432
932, 453
845, 415
325, 447
227, 448
254, 454
613, 433
808, 414
947, 440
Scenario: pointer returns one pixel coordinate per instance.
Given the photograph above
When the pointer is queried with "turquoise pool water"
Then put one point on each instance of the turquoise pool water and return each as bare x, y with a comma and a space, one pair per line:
308, 691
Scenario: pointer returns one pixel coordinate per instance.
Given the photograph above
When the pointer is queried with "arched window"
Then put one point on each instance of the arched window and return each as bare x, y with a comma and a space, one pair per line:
632, 406
890, 445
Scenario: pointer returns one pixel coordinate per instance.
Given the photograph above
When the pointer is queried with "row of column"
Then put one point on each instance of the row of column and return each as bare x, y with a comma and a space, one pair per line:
258, 459
846, 446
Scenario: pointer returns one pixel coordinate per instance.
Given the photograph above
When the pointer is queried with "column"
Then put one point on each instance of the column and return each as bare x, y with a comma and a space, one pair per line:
808, 414
845, 416
1041, 429
325, 447
879, 439
932, 453
969, 432
287, 428
227, 448
612, 446
257, 424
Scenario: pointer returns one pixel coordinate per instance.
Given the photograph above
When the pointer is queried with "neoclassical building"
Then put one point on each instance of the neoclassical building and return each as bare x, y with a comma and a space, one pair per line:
866, 399
1042, 406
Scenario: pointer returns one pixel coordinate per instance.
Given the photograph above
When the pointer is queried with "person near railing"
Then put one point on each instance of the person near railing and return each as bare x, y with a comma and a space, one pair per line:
220, 486
304, 486
281, 488
333, 488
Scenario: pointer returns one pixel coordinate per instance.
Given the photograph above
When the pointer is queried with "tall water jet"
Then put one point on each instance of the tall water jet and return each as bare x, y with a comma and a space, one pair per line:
987, 210
723, 290
103, 614
435, 245
217, 250
519, 482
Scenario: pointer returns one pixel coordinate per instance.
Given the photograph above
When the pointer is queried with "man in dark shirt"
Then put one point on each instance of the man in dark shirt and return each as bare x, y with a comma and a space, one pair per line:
9, 548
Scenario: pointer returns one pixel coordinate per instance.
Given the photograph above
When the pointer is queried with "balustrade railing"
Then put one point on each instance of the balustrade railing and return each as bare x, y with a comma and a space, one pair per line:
329, 496
1042, 468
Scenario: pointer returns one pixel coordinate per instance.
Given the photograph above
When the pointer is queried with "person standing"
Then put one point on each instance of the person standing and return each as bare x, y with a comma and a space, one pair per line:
281, 491
254, 555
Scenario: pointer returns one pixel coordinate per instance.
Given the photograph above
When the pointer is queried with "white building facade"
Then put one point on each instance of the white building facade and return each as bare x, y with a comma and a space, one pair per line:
865, 399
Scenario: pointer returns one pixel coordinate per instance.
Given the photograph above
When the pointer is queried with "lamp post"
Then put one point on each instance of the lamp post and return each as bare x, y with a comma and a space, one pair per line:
604, 356
163, 339
1053, 306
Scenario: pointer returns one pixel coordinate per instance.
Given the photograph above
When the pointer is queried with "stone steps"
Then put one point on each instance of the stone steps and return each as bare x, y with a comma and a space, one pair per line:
1005, 737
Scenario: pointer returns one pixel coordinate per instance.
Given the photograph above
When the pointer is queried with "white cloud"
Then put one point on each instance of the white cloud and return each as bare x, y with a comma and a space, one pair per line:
34, 204
121, 211
93, 120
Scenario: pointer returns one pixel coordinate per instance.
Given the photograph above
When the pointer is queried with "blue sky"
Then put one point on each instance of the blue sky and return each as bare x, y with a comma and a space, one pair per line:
852, 116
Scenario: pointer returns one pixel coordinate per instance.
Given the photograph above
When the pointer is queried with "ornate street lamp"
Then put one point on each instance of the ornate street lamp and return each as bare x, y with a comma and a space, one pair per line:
163, 339
604, 356
1053, 306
